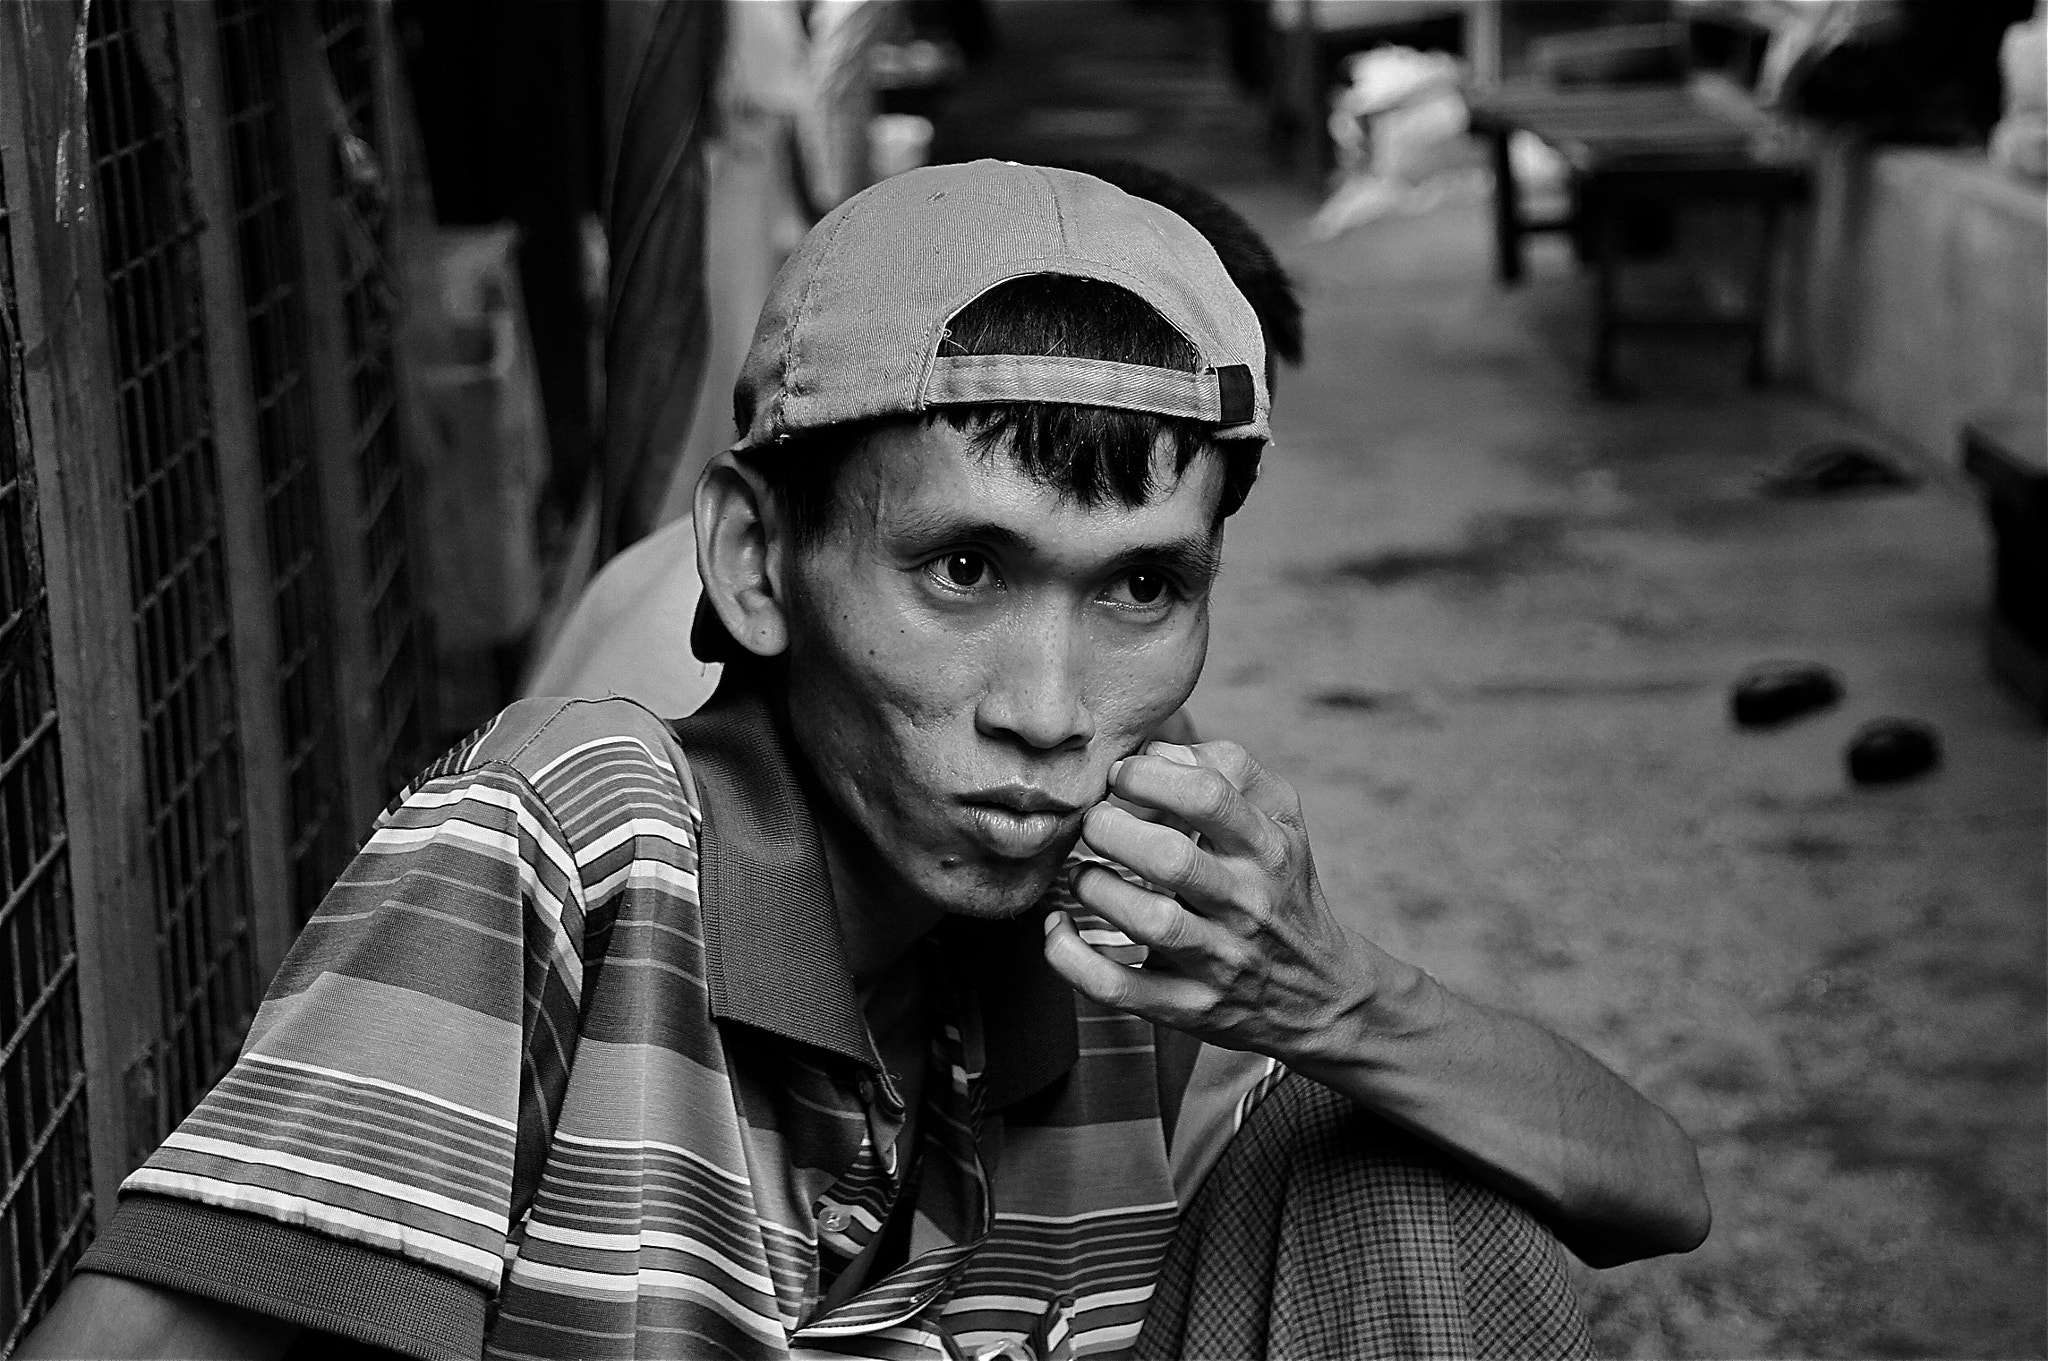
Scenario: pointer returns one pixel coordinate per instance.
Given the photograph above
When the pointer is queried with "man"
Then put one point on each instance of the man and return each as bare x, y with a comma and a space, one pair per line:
792, 1028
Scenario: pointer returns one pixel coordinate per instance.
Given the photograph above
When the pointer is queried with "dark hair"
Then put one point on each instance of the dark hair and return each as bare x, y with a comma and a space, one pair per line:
1246, 257
1097, 455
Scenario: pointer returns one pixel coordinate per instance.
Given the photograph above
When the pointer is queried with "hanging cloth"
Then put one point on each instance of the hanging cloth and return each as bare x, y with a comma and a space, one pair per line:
661, 63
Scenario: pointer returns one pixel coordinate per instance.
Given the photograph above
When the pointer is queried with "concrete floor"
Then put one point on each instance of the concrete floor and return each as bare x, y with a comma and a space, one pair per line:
1487, 623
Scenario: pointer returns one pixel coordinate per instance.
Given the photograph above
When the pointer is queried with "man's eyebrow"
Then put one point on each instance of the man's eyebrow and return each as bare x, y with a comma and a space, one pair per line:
1194, 556
939, 526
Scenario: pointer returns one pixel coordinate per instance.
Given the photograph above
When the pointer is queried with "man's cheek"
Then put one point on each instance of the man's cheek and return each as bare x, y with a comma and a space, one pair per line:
925, 689
1143, 692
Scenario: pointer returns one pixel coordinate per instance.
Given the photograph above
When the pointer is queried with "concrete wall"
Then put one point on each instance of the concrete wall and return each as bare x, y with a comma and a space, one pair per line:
1925, 297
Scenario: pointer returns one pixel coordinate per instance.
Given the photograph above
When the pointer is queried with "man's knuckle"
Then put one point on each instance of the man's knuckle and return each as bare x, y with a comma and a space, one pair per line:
1232, 759
1261, 899
1179, 864
1236, 964
1214, 794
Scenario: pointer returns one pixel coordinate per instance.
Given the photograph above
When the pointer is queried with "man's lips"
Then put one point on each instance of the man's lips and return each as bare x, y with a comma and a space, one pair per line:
1017, 821
1022, 798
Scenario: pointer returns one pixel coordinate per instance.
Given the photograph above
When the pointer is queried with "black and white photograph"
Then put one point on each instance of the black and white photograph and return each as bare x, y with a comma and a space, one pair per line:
1023, 680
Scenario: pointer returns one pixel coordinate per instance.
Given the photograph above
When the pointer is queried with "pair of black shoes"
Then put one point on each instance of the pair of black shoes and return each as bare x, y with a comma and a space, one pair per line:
1883, 751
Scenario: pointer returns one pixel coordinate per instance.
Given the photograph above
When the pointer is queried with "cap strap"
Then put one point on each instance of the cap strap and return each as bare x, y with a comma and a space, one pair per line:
1221, 396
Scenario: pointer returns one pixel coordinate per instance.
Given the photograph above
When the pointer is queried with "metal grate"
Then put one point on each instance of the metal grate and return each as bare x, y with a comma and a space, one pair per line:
178, 575
359, 207
266, 224
45, 1166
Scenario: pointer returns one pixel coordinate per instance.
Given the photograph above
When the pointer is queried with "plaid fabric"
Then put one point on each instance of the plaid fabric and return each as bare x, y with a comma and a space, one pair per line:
1327, 1232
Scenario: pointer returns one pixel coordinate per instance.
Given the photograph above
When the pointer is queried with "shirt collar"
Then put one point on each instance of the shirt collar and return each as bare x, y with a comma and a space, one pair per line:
773, 955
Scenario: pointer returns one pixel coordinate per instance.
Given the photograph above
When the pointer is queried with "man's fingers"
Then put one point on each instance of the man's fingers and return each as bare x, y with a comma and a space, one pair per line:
1168, 859
1200, 796
1261, 788
1152, 919
1172, 777
1156, 997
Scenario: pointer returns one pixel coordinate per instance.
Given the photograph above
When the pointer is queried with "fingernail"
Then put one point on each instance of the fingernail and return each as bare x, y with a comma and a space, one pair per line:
1116, 766
1173, 751
1051, 921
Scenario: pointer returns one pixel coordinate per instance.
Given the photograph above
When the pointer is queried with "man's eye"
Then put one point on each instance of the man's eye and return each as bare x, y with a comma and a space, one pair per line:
963, 570
1144, 588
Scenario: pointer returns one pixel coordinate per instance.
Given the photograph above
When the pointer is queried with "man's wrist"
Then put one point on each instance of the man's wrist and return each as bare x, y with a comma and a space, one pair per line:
1386, 1003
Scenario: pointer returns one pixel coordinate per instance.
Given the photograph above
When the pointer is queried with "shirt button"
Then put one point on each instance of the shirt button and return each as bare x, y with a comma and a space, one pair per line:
834, 1221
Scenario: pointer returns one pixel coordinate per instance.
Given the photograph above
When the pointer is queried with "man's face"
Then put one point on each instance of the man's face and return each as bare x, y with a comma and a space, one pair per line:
970, 651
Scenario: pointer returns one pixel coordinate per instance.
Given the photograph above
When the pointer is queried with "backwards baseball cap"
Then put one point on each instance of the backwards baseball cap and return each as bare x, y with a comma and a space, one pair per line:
854, 322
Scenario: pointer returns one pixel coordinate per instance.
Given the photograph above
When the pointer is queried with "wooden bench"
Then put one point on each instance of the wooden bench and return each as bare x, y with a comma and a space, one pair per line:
1629, 146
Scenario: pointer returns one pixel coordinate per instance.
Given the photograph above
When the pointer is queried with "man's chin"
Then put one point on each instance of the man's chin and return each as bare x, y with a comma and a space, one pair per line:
995, 890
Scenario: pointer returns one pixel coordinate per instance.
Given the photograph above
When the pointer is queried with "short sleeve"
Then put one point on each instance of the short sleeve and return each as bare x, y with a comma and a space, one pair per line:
394, 1093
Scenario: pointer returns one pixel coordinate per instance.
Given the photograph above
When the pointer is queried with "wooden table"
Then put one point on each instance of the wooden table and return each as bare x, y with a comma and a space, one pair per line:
2007, 455
1628, 146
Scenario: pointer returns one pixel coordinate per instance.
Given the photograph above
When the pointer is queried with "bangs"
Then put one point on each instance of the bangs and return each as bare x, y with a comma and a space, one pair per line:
1096, 455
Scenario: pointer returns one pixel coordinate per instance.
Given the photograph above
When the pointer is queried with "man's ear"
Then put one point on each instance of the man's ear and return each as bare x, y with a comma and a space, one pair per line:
741, 555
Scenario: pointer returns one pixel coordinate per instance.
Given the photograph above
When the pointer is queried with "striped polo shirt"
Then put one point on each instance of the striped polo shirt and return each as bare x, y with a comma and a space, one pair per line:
570, 1064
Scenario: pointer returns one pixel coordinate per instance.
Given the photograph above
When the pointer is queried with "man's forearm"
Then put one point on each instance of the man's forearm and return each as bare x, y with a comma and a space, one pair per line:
1528, 1112
1249, 955
111, 1316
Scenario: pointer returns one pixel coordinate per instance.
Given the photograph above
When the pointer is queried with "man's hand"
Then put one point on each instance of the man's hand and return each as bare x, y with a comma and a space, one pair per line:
1244, 951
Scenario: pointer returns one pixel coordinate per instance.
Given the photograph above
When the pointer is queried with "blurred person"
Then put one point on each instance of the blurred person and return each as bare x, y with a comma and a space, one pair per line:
757, 205
848, 1016
628, 632
727, 123
833, 132
769, 159
662, 68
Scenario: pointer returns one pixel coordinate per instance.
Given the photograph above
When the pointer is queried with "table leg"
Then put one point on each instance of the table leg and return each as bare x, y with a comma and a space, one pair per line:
1601, 217
1507, 209
1306, 97
1760, 296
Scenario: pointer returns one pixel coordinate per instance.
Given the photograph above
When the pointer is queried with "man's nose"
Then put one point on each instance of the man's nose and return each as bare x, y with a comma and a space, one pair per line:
1034, 694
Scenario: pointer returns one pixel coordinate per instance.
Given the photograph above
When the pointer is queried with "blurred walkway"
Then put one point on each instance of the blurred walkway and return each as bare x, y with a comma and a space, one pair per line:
1487, 624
